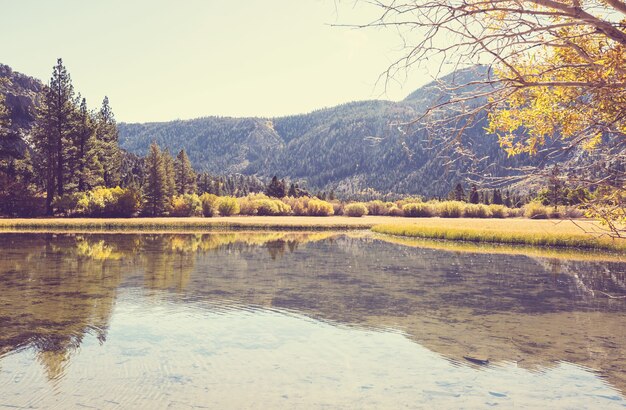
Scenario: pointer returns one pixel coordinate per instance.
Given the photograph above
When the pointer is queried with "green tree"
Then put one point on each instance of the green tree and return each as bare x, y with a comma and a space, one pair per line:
155, 185
53, 130
185, 175
292, 191
497, 197
459, 192
508, 202
170, 173
89, 171
275, 188
110, 155
474, 195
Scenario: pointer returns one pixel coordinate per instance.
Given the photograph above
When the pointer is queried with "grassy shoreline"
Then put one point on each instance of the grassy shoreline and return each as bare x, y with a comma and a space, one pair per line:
583, 234
562, 234
192, 224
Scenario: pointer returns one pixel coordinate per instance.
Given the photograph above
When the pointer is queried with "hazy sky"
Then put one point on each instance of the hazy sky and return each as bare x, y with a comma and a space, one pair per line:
159, 60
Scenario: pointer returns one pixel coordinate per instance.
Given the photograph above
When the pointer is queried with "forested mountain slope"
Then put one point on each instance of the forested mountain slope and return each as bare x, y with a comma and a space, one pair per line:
22, 94
349, 148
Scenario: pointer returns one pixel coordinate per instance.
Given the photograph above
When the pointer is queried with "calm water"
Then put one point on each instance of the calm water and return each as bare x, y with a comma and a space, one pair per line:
286, 320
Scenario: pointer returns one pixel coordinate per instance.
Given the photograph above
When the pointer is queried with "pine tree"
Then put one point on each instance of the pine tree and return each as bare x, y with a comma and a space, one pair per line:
53, 131
292, 191
275, 188
88, 169
61, 100
155, 184
217, 188
110, 155
497, 197
204, 183
459, 192
170, 173
185, 175
474, 195
507, 199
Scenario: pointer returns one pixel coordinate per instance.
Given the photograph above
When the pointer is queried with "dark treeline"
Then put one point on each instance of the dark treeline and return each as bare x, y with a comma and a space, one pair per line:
72, 149
74, 166
74, 160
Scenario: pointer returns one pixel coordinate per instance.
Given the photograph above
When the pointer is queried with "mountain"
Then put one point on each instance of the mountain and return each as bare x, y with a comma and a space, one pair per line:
356, 149
22, 94
351, 148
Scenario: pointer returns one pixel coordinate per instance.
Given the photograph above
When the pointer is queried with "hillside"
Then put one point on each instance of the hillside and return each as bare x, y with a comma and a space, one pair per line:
349, 148
352, 148
22, 95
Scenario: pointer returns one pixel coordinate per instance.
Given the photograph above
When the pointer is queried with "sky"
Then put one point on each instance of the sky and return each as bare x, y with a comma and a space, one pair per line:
161, 60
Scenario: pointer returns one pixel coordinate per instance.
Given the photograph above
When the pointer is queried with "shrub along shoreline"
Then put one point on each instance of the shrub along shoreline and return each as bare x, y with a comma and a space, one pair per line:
126, 202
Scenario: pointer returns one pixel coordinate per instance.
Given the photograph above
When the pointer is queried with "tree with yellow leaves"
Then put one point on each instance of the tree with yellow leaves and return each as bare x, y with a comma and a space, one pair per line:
556, 80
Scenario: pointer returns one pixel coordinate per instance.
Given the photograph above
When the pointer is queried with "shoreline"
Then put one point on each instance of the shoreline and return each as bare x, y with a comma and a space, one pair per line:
546, 233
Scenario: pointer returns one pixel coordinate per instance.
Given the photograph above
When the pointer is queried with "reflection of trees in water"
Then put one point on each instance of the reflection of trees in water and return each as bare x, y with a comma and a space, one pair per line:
61, 288
168, 261
276, 249
589, 279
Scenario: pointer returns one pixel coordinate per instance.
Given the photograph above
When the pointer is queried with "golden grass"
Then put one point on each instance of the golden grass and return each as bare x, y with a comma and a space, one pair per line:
588, 255
192, 224
513, 231
563, 233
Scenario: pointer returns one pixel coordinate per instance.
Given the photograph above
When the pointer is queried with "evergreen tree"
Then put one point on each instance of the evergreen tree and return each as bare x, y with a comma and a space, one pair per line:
155, 184
217, 188
109, 151
185, 175
292, 191
52, 132
275, 188
170, 173
497, 197
474, 194
88, 169
459, 192
204, 183
483, 197
507, 199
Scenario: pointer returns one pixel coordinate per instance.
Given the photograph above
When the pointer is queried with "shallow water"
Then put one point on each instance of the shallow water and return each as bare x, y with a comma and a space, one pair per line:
292, 320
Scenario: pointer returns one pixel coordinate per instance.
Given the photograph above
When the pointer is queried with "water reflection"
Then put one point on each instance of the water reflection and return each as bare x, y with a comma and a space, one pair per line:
153, 300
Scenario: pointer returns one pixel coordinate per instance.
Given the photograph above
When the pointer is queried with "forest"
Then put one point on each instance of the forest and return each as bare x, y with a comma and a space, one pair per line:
73, 165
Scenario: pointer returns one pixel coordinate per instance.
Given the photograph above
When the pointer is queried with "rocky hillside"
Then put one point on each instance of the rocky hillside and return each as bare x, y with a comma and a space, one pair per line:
22, 94
352, 148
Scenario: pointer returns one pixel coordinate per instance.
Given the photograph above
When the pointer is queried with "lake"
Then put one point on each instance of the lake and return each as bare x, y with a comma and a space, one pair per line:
304, 320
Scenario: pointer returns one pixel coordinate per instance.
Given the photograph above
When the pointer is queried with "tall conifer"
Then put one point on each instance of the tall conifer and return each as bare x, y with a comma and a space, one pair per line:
185, 175
53, 132
155, 184
170, 173
88, 169
109, 152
